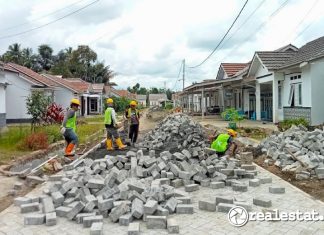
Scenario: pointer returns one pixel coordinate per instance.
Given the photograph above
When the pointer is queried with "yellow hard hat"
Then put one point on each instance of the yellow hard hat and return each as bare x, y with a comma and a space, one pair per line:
133, 103
75, 101
110, 101
232, 133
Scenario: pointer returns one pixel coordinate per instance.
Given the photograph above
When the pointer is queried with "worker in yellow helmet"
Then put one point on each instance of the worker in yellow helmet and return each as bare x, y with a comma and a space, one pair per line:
68, 129
111, 127
133, 116
224, 143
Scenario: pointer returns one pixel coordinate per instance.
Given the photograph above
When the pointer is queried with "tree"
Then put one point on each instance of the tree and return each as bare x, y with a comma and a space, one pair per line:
37, 103
142, 91
13, 54
154, 90
45, 56
27, 57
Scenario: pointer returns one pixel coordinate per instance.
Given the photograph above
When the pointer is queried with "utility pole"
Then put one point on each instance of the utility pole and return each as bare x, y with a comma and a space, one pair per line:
183, 73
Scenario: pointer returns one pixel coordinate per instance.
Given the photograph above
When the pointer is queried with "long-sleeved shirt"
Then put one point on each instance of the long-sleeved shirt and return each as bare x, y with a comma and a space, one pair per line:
69, 114
112, 117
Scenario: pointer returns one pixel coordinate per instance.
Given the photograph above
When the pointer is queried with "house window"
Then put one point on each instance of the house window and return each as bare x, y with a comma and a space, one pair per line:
93, 105
295, 95
279, 97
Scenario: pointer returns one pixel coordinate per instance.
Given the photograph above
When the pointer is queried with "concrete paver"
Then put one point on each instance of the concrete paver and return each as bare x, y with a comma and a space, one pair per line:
201, 222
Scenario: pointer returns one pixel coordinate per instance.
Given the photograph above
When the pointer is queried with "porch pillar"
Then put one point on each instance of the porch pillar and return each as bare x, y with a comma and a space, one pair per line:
222, 100
275, 106
189, 103
202, 103
258, 101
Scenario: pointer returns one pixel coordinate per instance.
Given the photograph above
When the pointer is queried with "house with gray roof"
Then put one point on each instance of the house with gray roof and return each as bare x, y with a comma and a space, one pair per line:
157, 99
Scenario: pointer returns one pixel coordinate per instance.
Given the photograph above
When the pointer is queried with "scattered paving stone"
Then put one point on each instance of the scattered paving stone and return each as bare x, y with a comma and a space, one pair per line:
133, 229
126, 219
254, 183
224, 207
22, 200
265, 180
184, 209
156, 222
217, 185
34, 219
207, 205
88, 221
50, 219
191, 187
277, 190
259, 201
96, 228
30, 207
172, 225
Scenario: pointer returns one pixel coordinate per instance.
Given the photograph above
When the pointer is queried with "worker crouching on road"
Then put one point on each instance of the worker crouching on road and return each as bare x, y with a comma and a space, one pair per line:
224, 143
69, 127
133, 117
112, 127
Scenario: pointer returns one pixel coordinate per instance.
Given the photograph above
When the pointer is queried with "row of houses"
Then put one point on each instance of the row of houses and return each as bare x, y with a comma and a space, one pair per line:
286, 83
18, 82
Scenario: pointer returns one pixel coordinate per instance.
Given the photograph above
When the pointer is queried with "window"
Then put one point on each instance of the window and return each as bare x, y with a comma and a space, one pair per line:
295, 96
279, 97
93, 105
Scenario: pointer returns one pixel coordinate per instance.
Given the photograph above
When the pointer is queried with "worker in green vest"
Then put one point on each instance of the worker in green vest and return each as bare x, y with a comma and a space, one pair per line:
133, 116
68, 129
224, 142
111, 127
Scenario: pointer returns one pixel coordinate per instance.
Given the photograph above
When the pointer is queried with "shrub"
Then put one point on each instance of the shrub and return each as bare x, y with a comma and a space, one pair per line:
34, 141
286, 124
168, 106
54, 114
37, 104
120, 103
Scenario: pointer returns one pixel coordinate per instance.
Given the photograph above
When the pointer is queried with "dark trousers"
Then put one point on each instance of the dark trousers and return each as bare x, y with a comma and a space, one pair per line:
133, 132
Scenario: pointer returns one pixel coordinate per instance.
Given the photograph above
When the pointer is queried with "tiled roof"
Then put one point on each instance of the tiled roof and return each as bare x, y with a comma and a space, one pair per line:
157, 97
141, 97
97, 87
76, 85
274, 60
232, 68
312, 50
31, 75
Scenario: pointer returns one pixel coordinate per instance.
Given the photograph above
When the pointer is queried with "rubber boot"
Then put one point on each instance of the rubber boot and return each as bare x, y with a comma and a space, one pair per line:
68, 151
109, 145
120, 144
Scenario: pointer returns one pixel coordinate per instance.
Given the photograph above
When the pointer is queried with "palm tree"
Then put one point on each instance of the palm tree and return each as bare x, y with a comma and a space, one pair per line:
13, 54
27, 57
46, 55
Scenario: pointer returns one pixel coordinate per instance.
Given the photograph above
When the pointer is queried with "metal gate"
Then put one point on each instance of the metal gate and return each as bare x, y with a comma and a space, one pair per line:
266, 106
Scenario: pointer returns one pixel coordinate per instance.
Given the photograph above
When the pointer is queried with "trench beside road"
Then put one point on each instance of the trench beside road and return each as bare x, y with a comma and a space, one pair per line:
200, 221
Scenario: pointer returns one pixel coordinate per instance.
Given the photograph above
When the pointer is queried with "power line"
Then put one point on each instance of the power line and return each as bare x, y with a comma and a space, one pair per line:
222, 38
176, 81
51, 22
41, 17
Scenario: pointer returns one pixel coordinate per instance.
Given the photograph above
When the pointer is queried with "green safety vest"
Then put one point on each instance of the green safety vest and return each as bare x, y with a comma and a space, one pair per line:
130, 112
71, 122
220, 144
108, 119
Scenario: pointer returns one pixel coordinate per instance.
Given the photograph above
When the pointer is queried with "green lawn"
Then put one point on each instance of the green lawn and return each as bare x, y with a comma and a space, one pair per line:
10, 140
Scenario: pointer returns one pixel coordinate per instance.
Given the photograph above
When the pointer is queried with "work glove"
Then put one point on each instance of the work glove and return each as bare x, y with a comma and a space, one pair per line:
63, 129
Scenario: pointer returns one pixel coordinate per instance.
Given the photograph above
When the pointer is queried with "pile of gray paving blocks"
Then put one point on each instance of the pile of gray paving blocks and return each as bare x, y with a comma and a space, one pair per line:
177, 131
297, 150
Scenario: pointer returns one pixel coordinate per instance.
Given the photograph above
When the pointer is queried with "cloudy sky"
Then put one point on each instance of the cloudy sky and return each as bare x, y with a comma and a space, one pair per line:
145, 40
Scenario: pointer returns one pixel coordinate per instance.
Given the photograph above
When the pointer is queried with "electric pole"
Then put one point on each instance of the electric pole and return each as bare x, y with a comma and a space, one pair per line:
183, 74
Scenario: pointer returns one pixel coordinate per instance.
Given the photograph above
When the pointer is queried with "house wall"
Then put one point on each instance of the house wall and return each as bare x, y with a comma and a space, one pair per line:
63, 96
16, 95
2, 106
317, 94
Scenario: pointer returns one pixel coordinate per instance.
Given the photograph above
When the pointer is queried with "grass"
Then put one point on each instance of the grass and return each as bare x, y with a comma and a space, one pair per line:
10, 140
98, 118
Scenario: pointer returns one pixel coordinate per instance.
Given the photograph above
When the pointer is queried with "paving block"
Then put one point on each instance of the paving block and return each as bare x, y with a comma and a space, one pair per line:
177, 183
126, 219
105, 204
150, 207
96, 228
137, 186
254, 183
34, 179
248, 167
30, 207
156, 222
95, 183
184, 175
79, 217
191, 187
88, 221
277, 190
162, 211
89, 206
224, 199
246, 158
205, 182
260, 201
118, 211
62, 211
184, 200
217, 185
240, 187
207, 205
171, 204
133, 229
239, 172
172, 225
22, 200
247, 206
78, 207
265, 180
224, 207
137, 208
50, 219
34, 219
58, 198
184, 209
170, 175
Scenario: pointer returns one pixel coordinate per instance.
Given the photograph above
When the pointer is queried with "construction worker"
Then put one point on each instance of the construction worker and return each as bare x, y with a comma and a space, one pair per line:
224, 143
69, 127
111, 127
133, 117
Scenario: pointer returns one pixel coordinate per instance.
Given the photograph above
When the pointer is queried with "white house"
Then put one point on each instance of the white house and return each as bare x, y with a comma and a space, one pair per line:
3, 86
141, 99
21, 83
157, 99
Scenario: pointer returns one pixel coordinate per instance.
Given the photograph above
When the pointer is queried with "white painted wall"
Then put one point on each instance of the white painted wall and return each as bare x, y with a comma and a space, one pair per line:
63, 96
16, 95
317, 94
261, 71
2, 99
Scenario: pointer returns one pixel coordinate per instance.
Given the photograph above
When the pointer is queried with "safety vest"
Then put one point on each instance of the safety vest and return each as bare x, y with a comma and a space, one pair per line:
130, 113
220, 144
71, 122
108, 119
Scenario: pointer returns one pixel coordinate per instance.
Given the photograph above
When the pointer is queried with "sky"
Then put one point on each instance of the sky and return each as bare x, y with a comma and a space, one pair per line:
145, 41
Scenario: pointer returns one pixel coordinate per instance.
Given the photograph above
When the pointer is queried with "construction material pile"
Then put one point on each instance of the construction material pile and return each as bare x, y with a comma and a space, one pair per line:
175, 133
138, 186
297, 150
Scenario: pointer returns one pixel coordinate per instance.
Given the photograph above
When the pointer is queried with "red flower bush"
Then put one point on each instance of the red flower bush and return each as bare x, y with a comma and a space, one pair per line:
54, 114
